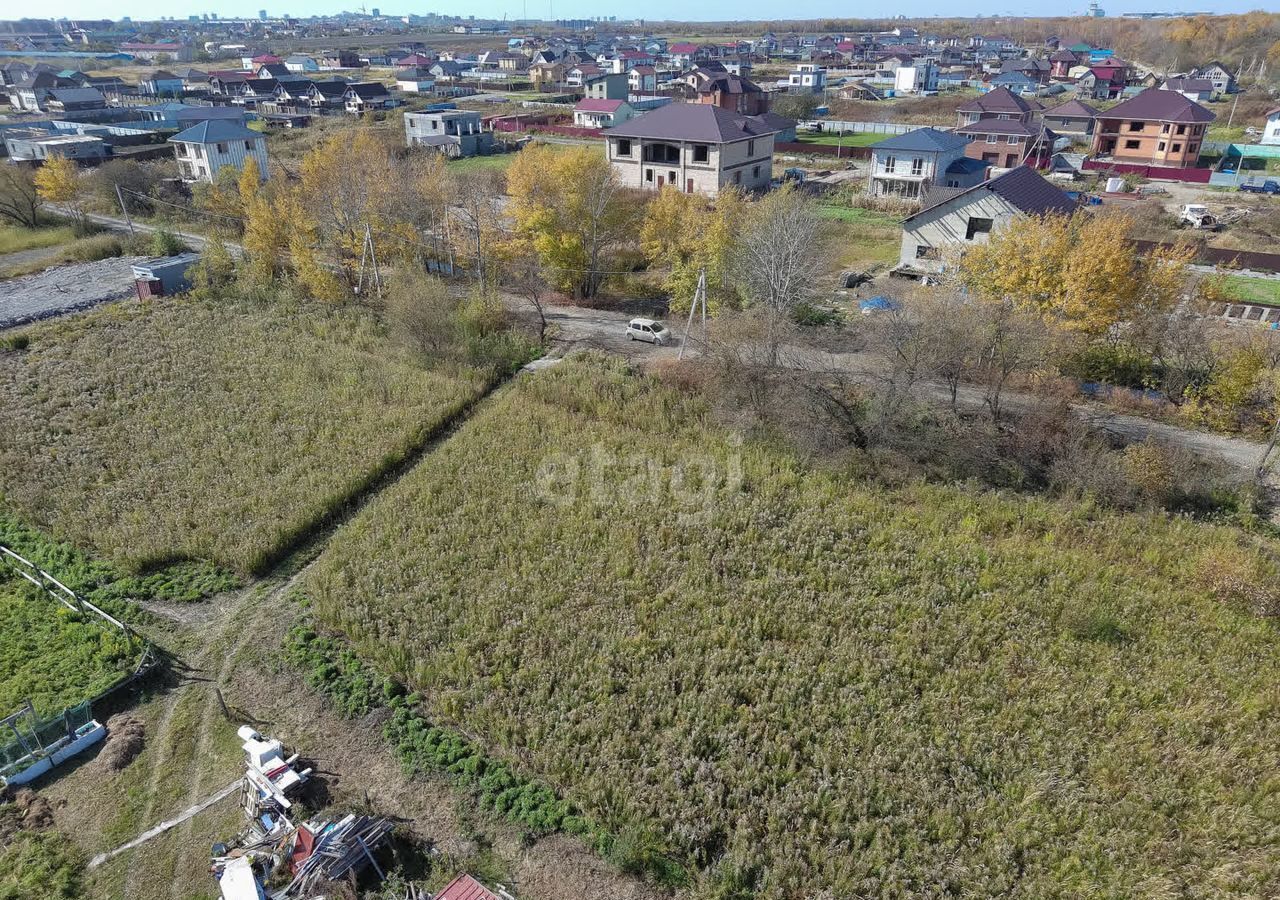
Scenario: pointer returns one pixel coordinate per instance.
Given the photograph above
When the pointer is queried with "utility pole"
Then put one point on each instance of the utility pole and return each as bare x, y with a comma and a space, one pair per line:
1232, 117
124, 209
369, 259
699, 297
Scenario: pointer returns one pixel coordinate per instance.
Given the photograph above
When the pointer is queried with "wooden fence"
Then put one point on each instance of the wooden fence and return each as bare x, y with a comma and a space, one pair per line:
1220, 256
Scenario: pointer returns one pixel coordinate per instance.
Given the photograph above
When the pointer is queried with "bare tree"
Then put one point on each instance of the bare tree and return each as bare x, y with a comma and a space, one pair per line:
1010, 342
477, 211
776, 256
527, 281
19, 201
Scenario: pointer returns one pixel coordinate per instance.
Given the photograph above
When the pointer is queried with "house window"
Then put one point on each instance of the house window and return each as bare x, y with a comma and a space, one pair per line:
1160, 146
917, 167
751, 148
700, 153
1177, 148
1164, 129
1193, 149
755, 171
889, 164
1004, 116
1137, 126
648, 175
1132, 145
623, 147
737, 177
977, 226
1011, 139
222, 148
671, 178
1182, 129
248, 146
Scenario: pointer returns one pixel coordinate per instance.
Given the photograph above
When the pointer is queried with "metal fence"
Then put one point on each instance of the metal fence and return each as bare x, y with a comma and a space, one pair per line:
55, 589
859, 127
24, 735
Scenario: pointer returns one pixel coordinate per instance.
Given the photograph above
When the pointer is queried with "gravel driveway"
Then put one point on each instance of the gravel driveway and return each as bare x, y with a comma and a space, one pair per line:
64, 289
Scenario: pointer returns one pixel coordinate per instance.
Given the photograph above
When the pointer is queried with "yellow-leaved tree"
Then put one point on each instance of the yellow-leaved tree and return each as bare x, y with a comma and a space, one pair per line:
58, 182
1083, 271
346, 184
686, 233
567, 204
265, 234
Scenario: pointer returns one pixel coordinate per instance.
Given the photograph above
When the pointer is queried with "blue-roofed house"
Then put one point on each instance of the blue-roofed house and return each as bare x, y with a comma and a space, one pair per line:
1016, 82
906, 165
205, 148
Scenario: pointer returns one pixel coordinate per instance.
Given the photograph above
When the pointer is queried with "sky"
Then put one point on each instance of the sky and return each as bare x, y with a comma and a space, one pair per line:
709, 10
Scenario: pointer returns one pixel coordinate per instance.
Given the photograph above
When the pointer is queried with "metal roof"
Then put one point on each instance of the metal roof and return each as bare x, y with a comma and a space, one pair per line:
1072, 109
695, 122
1023, 188
999, 100
1159, 106
214, 130
922, 140
464, 887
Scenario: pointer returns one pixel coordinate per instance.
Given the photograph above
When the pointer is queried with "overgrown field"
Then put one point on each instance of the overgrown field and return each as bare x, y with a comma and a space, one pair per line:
804, 682
53, 656
185, 429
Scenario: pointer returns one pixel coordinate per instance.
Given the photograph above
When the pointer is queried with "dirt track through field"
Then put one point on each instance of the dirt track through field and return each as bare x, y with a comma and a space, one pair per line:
224, 633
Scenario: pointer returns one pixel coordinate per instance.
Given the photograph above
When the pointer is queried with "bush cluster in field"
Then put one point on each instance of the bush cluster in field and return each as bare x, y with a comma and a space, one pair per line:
810, 682
223, 431
424, 748
104, 584
52, 655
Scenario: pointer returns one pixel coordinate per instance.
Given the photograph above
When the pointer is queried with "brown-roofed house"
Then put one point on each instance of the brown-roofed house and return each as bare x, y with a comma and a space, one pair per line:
1006, 142
1155, 128
695, 147
1073, 118
1000, 103
951, 220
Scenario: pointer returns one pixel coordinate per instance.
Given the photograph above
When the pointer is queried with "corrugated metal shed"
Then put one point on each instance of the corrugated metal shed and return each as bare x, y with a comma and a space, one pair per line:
464, 887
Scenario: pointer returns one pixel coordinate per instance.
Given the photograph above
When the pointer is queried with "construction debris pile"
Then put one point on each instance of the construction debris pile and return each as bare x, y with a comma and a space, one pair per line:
315, 853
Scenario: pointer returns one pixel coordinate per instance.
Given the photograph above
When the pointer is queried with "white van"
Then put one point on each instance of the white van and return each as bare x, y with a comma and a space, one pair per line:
648, 330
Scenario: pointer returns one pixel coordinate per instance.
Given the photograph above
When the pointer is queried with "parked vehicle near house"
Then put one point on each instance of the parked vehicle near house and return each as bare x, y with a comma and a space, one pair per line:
648, 330
1270, 186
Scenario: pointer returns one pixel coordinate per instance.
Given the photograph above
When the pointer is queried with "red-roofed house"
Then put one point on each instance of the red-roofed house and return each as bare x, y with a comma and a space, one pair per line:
592, 113
266, 59
464, 887
682, 54
414, 61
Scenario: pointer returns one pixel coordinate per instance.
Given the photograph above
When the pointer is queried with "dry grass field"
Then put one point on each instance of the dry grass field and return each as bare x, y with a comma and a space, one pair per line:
806, 684
183, 429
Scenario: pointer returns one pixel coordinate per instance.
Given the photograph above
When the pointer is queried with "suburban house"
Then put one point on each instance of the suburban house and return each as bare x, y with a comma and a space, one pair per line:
448, 70
694, 147
954, 218
546, 75
1157, 128
327, 94
807, 78
453, 132
31, 92
907, 165
366, 96
1105, 81
1074, 118
205, 148
1061, 63
592, 113
731, 92
1007, 142
301, 65
1271, 131
414, 81
161, 83
921, 79
642, 80
1014, 82
1001, 104
606, 86
74, 100
1197, 89
161, 52
1222, 79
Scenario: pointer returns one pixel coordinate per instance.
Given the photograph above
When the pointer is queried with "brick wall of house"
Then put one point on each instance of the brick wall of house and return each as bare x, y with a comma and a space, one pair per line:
1166, 144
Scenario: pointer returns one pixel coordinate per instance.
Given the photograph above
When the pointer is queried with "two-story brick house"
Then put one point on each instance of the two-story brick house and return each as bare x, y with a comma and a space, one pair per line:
1155, 128
1000, 103
907, 165
1007, 142
694, 147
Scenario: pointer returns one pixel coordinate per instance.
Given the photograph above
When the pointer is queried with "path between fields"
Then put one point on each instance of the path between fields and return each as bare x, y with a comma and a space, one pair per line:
580, 328
224, 634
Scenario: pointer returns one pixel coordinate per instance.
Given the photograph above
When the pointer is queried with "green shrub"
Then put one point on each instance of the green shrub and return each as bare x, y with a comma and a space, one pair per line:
92, 249
1121, 365
166, 243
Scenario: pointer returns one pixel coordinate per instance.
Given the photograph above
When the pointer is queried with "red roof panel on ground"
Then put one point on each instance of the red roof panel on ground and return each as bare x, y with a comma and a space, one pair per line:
464, 887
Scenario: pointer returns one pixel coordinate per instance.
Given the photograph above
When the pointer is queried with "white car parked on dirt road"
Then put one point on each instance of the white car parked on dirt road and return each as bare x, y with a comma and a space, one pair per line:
648, 330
